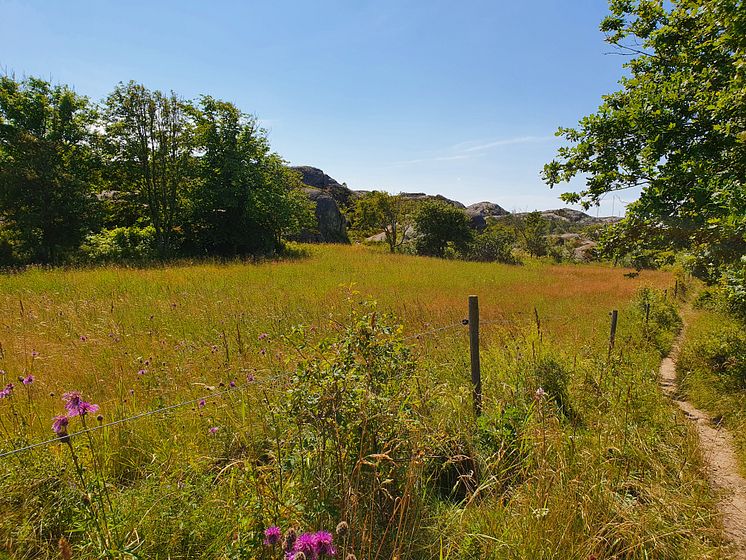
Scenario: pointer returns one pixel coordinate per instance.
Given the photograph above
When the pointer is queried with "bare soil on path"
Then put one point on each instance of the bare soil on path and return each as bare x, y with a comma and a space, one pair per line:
720, 459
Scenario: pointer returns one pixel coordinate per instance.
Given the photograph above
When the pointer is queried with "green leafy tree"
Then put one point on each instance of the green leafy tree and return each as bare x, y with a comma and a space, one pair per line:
49, 170
151, 137
676, 130
380, 211
244, 199
439, 225
494, 244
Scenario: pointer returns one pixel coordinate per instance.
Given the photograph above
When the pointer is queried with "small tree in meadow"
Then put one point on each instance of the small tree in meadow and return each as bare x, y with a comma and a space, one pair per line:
438, 225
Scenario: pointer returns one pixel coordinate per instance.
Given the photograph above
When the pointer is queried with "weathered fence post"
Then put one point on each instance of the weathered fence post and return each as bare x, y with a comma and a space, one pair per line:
647, 313
476, 372
612, 333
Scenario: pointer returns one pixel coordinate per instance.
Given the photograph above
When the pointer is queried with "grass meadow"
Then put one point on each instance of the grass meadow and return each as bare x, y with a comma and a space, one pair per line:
311, 399
712, 371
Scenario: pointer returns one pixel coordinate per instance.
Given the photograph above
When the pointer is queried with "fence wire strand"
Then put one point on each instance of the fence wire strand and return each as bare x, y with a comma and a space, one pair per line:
263, 380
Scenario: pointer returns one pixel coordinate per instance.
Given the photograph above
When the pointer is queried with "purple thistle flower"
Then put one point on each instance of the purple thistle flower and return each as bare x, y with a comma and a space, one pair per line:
28, 380
76, 406
272, 535
306, 543
263, 336
232, 384
201, 403
324, 545
83, 338
142, 372
59, 426
34, 353
214, 430
7, 392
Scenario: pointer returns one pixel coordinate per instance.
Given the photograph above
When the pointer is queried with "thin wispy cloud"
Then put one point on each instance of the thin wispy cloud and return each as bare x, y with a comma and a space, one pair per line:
473, 149
469, 147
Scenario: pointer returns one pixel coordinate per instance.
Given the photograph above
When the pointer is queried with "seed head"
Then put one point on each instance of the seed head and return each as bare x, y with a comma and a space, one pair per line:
342, 529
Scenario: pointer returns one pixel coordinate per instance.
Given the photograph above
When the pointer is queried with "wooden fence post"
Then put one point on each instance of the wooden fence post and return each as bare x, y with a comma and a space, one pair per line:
612, 333
647, 314
476, 372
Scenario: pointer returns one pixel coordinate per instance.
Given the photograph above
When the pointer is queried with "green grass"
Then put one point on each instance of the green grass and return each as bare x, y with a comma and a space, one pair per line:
372, 427
712, 371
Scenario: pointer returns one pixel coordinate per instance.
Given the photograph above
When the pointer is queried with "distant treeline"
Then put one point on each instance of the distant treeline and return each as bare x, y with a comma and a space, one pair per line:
141, 175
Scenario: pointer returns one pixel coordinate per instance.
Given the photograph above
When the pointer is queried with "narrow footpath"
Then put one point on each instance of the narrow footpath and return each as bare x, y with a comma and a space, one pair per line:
720, 458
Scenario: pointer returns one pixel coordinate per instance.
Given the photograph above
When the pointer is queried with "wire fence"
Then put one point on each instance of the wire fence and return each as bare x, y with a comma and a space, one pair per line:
239, 389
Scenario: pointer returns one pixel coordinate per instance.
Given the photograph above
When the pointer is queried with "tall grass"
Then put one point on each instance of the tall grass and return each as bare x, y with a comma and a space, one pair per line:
346, 417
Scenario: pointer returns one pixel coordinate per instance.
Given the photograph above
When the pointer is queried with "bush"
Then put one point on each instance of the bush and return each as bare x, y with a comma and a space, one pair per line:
122, 243
495, 244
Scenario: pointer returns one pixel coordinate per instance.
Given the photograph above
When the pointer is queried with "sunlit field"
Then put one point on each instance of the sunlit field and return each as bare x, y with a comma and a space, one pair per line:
302, 403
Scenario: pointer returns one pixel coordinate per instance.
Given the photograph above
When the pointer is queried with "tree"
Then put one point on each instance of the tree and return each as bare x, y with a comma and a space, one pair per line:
494, 244
439, 224
380, 211
244, 198
49, 169
151, 135
533, 229
676, 130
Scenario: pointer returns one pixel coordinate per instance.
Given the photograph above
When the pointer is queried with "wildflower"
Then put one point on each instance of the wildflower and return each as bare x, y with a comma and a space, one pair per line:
83, 338
539, 394
214, 430
100, 418
28, 380
34, 353
263, 336
232, 384
324, 545
272, 535
313, 546
7, 392
76, 406
305, 544
59, 426
142, 372
249, 377
202, 403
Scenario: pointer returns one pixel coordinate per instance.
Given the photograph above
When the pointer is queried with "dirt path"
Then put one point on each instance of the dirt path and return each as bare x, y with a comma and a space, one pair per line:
720, 459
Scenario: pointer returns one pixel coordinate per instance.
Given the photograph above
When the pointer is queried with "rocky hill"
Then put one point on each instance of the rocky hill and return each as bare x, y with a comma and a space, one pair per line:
332, 198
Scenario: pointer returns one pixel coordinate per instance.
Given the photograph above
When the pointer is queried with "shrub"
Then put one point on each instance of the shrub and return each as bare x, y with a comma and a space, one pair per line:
495, 244
122, 243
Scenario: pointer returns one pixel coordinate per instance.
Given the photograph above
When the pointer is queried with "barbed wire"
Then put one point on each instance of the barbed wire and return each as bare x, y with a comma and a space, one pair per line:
237, 389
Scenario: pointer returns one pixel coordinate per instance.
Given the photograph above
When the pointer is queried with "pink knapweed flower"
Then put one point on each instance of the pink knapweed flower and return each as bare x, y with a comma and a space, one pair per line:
142, 372
34, 353
76, 406
7, 392
540, 393
214, 430
201, 403
28, 380
83, 338
232, 384
263, 336
272, 535
59, 426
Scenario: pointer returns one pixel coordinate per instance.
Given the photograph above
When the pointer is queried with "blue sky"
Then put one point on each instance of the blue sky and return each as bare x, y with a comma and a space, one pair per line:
458, 98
